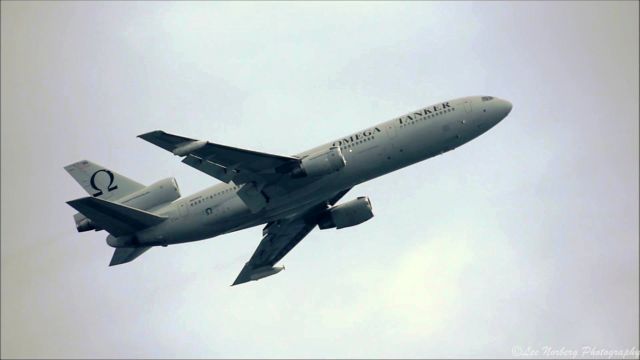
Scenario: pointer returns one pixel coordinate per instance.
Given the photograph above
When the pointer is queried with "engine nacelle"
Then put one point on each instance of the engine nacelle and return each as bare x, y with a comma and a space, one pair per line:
322, 163
351, 213
158, 193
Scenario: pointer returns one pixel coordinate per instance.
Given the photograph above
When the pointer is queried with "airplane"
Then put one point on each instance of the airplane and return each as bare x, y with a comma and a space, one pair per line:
290, 194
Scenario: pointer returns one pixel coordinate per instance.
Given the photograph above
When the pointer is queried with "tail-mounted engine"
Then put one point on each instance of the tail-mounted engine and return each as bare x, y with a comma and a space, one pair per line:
158, 193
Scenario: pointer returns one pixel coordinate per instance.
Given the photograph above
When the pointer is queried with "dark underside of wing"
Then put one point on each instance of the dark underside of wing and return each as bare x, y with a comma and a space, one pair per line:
280, 237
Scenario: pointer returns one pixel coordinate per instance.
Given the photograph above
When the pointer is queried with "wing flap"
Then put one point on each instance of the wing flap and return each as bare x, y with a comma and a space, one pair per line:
219, 172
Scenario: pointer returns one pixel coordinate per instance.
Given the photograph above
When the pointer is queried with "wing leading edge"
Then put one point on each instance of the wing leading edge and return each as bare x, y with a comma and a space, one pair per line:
224, 163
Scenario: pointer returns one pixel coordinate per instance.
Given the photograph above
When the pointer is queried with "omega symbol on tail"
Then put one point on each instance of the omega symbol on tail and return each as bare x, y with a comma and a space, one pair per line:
110, 187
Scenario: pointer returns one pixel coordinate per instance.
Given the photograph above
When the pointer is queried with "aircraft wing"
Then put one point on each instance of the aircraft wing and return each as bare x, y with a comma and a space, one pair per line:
225, 163
279, 237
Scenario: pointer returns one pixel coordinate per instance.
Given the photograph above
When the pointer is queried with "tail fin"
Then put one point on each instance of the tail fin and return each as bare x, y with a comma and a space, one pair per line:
101, 182
118, 220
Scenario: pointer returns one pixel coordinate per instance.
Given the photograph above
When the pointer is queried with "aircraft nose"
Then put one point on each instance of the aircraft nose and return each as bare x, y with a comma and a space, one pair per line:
505, 107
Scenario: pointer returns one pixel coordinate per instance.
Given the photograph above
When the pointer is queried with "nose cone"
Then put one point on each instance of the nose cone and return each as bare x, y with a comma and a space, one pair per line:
504, 107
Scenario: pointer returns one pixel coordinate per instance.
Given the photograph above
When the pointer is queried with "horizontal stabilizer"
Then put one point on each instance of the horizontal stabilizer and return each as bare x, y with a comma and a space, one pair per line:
125, 255
117, 219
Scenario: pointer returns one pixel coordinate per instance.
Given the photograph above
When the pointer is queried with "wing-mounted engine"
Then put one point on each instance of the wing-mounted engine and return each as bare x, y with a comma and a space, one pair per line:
351, 213
154, 195
317, 164
321, 163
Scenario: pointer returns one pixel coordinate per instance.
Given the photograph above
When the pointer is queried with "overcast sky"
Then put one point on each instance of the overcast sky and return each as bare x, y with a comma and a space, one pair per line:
524, 237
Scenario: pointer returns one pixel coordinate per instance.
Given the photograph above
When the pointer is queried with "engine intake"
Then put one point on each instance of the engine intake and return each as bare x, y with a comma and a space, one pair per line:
322, 163
348, 214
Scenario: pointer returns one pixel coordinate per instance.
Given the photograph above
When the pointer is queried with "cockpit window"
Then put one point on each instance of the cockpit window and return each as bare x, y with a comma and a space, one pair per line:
487, 98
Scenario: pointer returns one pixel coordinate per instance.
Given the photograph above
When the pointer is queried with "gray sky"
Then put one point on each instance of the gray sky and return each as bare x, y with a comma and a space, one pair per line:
527, 236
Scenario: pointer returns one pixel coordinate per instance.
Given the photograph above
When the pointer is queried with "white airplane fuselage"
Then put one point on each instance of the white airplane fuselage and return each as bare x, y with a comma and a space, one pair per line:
369, 153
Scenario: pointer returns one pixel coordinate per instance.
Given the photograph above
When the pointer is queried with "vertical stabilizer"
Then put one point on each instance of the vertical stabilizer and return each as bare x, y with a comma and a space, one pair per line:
101, 182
